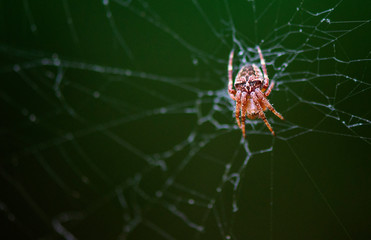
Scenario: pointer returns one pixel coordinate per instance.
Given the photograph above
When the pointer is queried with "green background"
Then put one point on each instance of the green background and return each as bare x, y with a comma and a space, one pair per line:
94, 107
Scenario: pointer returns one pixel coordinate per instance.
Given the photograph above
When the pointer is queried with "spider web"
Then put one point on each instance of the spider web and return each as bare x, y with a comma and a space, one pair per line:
116, 122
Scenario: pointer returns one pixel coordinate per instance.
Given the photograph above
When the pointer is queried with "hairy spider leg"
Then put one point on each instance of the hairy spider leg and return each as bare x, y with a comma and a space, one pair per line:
238, 107
269, 89
265, 101
265, 73
244, 110
261, 113
231, 91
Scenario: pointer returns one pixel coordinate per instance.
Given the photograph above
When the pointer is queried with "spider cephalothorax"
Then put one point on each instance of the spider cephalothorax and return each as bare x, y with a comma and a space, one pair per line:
251, 92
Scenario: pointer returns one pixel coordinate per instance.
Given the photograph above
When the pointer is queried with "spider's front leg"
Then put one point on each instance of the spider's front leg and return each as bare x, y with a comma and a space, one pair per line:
269, 89
265, 73
231, 91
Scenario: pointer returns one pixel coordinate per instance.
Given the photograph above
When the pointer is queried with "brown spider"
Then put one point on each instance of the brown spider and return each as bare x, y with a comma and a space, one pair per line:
251, 92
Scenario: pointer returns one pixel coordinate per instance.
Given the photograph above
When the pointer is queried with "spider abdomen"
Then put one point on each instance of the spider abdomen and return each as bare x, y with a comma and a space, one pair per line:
248, 79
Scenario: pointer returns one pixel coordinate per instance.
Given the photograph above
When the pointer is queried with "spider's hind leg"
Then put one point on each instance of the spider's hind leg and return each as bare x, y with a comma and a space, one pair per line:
243, 114
238, 107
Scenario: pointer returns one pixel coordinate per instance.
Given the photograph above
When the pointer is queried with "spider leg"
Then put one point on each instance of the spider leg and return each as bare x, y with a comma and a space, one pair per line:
265, 73
265, 101
238, 107
231, 91
261, 113
243, 115
269, 89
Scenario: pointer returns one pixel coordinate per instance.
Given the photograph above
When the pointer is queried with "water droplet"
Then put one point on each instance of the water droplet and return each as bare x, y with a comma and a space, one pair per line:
33, 28
32, 118
96, 94
56, 60
172, 208
16, 68
128, 72
200, 228
191, 201
85, 179
178, 148
162, 110
69, 136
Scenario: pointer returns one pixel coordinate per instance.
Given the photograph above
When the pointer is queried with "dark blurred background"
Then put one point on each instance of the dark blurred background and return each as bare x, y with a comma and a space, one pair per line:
116, 123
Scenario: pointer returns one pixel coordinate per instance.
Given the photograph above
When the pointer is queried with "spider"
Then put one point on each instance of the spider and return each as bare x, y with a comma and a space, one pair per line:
251, 92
